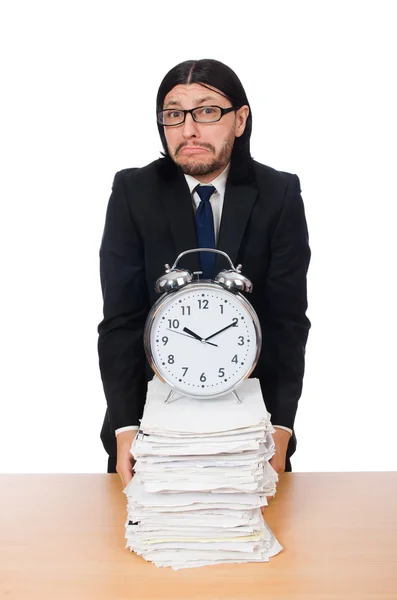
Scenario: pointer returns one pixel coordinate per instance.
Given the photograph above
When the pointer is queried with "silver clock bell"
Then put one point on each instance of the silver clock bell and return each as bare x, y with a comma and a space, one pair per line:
174, 279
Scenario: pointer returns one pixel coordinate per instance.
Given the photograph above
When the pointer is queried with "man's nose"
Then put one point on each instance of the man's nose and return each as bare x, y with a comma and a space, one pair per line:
189, 127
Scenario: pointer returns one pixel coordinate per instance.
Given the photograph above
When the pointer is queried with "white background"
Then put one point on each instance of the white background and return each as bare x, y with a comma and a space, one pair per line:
79, 82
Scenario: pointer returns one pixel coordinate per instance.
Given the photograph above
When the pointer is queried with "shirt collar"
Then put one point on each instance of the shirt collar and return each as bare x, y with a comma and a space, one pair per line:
219, 182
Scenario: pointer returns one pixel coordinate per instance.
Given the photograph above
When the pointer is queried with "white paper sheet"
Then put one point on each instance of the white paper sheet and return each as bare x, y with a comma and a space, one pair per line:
202, 474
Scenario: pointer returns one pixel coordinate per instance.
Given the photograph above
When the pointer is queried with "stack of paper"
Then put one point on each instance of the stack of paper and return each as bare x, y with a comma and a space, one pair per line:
201, 476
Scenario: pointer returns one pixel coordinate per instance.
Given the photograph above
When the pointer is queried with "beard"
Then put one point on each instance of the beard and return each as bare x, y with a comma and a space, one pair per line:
196, 167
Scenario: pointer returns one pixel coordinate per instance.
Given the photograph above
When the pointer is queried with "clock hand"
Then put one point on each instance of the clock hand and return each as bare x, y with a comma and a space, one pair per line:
220, 331
189, 336
190, 332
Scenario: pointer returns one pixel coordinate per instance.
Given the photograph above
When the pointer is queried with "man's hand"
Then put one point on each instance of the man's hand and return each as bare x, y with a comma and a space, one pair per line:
125, 460
281, 438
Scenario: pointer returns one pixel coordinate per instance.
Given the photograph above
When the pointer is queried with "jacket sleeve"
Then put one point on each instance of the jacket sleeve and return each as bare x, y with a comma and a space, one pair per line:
125, 307
286, 304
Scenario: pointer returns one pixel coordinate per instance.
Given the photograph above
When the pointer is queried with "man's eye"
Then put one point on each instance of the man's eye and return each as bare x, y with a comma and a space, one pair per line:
208, 110
175, 114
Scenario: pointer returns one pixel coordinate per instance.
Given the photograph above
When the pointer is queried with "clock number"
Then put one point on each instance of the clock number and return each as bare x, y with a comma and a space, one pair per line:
241, 342
187, 310
221, 372
185, 369
173, 323
203, 377
203, 304
164, 340
235, 359
221, 305
170, 359
235, 321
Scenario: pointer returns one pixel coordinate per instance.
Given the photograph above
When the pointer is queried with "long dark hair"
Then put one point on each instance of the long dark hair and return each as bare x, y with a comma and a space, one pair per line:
210, 72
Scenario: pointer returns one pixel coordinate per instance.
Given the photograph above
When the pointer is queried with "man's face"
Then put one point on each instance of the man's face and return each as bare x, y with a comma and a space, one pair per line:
202, 149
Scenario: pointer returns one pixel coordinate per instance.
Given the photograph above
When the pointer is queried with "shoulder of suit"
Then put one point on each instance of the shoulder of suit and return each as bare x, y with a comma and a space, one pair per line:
137, 172
263, 170
273, 177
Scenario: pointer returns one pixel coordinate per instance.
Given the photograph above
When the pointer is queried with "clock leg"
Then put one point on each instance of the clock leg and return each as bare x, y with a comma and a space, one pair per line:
168, 399
237, 397
171, 396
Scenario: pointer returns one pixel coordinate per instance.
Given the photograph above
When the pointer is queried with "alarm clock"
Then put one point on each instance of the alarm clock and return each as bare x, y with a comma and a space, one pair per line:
202, 337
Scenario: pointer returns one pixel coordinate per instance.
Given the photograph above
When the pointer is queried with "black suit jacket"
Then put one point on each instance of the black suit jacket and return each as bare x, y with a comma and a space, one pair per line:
149, 221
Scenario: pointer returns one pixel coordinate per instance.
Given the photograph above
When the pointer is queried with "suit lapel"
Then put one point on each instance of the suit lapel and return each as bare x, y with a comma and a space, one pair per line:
177, 204
237, 206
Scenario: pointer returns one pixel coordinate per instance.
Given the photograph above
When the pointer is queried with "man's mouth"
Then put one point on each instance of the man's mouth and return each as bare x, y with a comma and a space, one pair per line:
192, 150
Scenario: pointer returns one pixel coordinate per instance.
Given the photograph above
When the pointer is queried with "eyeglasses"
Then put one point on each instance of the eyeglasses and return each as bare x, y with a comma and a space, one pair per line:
201, 114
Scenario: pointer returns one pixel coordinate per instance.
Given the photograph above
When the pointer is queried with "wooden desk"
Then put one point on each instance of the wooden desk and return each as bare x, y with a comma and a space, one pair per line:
62, 538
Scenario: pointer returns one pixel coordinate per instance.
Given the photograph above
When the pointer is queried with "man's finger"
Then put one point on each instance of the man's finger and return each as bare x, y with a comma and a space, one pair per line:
125, 460
125, 474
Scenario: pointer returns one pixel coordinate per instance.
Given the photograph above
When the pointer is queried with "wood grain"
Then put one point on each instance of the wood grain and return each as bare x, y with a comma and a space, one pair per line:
62, 537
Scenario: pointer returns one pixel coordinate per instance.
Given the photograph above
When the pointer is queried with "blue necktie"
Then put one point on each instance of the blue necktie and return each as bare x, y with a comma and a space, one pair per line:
205, 230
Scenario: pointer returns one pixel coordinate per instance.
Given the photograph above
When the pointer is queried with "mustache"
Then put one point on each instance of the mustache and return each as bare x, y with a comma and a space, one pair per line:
206, 146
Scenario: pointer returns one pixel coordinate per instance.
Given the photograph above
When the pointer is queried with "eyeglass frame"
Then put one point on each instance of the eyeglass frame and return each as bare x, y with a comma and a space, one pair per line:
224, 111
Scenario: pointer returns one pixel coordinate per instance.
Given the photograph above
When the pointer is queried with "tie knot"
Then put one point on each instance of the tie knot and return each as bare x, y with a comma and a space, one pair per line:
205, 191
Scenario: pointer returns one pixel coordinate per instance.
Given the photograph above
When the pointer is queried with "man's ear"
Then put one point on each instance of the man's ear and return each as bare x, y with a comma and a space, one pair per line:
241, 119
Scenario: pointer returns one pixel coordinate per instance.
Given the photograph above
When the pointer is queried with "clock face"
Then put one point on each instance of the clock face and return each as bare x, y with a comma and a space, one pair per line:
203, 340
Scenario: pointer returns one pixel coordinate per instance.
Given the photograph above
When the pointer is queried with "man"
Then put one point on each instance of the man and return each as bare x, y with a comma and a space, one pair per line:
206, 189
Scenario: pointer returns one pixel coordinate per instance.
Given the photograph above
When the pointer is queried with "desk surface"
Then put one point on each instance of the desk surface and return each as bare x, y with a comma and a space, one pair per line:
62, 537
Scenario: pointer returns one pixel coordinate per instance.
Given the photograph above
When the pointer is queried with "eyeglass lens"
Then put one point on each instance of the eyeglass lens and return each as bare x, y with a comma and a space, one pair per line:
202, 114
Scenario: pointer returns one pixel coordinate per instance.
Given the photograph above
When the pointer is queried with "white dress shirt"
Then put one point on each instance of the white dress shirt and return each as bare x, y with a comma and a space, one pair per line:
216, 201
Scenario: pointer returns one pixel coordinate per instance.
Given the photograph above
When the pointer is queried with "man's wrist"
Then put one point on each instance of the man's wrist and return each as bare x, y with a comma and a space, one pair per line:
127, 428
284, 428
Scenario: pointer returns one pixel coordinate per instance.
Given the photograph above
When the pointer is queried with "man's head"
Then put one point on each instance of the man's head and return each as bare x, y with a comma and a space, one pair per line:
200, 147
